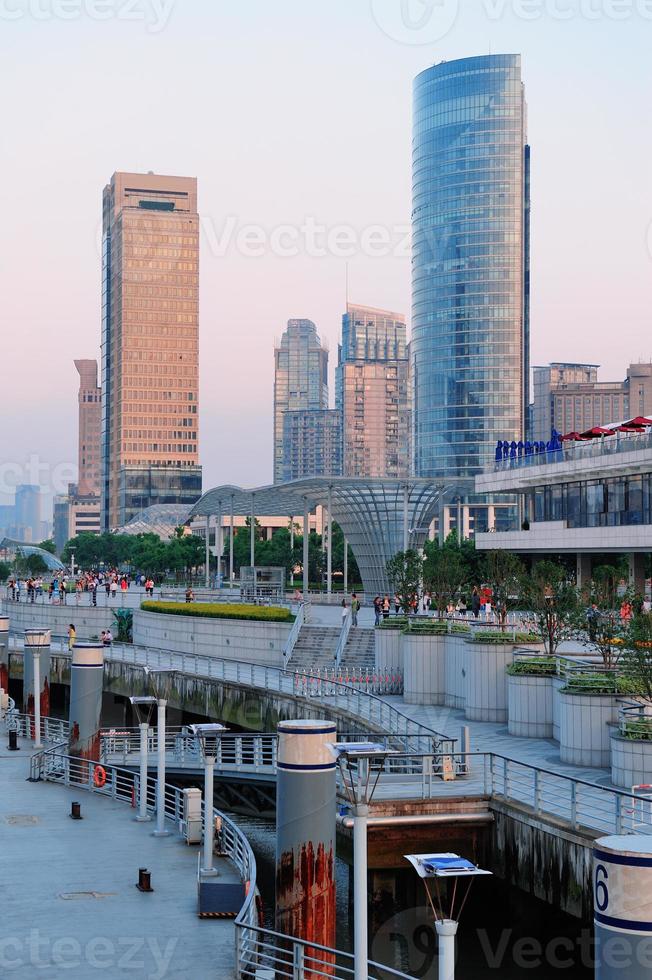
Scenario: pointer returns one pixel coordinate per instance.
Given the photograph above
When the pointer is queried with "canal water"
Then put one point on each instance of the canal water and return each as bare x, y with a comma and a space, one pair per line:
504, 933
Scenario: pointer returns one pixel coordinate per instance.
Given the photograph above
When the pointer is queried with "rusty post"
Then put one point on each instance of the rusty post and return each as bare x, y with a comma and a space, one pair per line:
86, 677
305, 835
36, 644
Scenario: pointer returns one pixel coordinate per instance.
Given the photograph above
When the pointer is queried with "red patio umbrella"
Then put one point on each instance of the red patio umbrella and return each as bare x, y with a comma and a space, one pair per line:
596, 432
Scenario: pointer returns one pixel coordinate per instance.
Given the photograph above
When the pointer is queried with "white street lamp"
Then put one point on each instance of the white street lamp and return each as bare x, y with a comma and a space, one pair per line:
208, 736
360, 765
434, 868
160, 681
143, 707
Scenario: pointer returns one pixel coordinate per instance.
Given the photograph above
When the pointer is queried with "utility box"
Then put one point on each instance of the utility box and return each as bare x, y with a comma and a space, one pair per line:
190, 825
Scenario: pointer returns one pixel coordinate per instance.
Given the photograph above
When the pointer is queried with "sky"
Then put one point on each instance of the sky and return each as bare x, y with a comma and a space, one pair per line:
295, 117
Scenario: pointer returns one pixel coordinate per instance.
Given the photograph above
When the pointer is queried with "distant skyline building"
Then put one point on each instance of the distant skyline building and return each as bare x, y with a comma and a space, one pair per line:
300, 385
27, 512
569, 397
150, 344
90, 419
470, 281
373, 393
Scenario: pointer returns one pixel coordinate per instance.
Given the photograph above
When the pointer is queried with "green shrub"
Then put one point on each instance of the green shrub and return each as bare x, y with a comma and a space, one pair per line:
393, 623
487, 636
220, 610
639, 729
534, 667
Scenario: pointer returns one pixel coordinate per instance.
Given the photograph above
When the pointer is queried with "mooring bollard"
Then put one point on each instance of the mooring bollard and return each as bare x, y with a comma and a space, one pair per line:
622, 903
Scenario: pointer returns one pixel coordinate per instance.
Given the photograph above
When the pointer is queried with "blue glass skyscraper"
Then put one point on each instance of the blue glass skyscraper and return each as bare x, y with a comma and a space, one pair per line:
470, 275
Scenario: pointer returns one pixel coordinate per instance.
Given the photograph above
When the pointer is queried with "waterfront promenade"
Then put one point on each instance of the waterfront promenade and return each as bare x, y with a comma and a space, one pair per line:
70, 907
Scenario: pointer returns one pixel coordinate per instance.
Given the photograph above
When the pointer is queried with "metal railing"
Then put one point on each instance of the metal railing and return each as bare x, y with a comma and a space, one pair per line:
585, 805
635, 719
620, 442
53, 730
293, 636
323, 680
363, 708
343, 637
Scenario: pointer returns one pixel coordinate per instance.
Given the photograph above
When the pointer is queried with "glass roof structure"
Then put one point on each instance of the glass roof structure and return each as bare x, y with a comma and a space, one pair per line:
20, 548
378, 517
160, 519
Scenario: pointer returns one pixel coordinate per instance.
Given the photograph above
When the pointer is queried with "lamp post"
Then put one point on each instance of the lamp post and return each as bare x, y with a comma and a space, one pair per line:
208, 737
35, 642
360, 765
435, 868
161, 684
143, 707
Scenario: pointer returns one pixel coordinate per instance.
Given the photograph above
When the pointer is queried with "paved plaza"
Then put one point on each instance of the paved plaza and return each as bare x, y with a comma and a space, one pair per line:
69, 903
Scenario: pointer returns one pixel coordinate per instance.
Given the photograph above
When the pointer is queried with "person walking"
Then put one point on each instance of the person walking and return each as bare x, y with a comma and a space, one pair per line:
377, 610
475, 602
108, 638
345, 611
72, 636
114, 588
397, 604
386, 607
355, 609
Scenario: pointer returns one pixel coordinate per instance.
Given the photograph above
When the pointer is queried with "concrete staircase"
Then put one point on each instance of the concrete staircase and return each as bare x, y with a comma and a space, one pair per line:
359, 651
315, 648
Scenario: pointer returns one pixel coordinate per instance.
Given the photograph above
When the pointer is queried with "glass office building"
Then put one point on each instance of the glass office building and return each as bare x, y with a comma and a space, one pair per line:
470, 274
150, 345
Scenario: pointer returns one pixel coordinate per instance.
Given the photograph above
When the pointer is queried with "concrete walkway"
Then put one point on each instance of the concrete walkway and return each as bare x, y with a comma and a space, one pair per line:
69, 903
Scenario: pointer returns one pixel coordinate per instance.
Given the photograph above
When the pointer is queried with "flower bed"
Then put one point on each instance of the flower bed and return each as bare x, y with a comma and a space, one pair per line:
220, 610
487, 636
533, 667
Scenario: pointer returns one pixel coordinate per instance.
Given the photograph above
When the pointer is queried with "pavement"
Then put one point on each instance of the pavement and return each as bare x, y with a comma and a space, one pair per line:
70, 907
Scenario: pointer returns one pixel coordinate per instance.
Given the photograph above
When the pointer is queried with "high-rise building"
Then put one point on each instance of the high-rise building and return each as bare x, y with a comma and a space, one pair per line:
300, 385
90, 417
150, 344
312, 443
470, 284
27, 512
373, 393
569, 397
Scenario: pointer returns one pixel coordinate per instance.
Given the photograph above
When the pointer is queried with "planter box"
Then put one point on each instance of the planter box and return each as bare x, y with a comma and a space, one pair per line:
557, 684
456, 666
423, 668
486, 680
631, 762
584, 732
388, 651
529, 705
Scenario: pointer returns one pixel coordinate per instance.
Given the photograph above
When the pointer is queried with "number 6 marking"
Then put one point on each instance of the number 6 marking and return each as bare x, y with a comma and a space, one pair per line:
601, 890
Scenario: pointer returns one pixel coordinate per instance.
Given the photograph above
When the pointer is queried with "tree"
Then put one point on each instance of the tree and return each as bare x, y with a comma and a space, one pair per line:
404, 571
5, 571
35, 565
552, 604
443, 574
47, 546
636, 661
503, 572
600, 625
338, 556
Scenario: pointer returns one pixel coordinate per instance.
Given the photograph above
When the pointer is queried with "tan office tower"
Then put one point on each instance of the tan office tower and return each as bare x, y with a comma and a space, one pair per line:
90, 417
150, 344
373, 393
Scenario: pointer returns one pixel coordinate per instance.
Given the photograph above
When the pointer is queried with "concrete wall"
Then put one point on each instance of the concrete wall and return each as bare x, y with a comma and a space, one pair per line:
544, 858
424, 680
529, 706
228, 639
584, 731
89, 622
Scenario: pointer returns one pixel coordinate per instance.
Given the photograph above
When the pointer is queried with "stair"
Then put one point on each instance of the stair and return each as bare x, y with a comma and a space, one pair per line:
315, 647
359, 652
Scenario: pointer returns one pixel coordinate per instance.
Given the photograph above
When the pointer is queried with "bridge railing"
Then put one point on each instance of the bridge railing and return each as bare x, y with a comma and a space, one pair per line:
361, 707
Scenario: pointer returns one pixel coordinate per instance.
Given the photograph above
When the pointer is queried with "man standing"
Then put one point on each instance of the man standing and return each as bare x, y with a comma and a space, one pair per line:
355, 606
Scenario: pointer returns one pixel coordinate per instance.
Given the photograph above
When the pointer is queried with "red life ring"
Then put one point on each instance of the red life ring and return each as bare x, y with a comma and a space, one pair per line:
99, 777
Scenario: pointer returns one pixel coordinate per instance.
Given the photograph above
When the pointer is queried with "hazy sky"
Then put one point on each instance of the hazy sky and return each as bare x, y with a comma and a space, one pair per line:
295, 117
